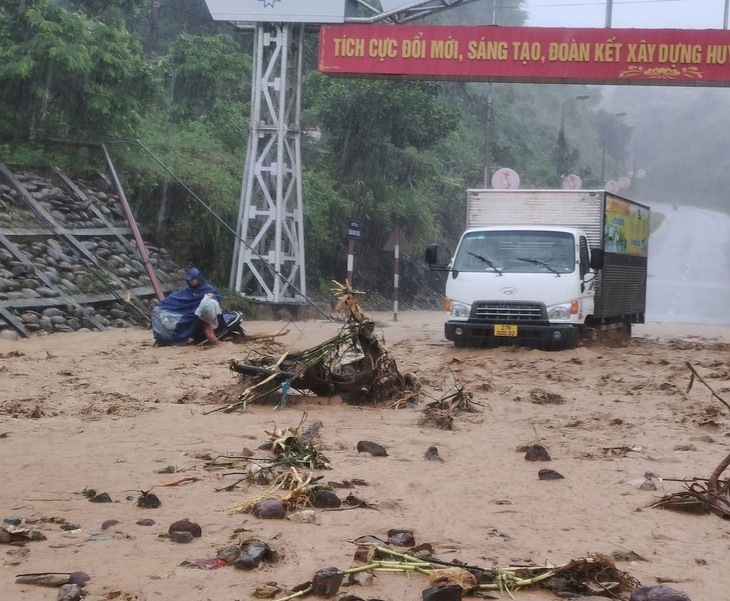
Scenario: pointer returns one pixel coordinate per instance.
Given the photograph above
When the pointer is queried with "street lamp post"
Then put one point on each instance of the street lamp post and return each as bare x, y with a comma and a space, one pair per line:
603, 150
496, 14
623, 159
562, 144
488, 139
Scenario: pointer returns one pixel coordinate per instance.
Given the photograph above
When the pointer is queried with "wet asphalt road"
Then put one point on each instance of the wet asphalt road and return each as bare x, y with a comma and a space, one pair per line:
689, 268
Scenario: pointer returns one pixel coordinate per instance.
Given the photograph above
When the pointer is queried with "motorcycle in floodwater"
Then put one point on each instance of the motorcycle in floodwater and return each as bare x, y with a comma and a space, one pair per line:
164, 322
229, 328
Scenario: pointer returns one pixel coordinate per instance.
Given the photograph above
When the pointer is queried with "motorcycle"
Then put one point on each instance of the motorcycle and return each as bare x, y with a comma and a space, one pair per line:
164, 323
229, 328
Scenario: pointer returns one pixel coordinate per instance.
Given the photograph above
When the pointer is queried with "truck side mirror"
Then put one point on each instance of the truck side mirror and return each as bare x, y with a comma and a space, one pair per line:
432, 251
432, 257
596, 258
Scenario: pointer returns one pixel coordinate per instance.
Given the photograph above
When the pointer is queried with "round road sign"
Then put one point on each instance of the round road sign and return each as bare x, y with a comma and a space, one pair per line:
505, 179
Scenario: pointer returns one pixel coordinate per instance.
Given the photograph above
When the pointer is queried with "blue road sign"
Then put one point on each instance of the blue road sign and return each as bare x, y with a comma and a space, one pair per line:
353, 229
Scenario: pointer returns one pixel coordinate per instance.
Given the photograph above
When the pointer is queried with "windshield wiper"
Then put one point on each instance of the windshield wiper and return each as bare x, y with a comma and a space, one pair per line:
485, 260
540, 263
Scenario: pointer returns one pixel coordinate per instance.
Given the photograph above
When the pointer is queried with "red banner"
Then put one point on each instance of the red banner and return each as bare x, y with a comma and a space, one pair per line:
528, 54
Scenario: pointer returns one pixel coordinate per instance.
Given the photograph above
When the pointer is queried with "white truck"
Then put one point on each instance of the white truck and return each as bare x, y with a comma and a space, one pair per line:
545, 267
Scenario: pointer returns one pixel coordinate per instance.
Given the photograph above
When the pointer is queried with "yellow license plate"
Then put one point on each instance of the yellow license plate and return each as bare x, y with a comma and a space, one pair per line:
505, 330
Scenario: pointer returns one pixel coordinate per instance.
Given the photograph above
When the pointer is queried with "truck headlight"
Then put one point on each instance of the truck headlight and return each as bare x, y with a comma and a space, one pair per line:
460, 310
559, 312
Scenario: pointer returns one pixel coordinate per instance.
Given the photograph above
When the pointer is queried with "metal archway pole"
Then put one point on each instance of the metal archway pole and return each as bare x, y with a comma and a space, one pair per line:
270, 266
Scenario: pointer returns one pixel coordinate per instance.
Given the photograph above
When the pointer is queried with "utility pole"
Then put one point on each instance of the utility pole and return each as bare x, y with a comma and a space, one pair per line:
562, 143
603, 149
496, 14
153, 35
488, 139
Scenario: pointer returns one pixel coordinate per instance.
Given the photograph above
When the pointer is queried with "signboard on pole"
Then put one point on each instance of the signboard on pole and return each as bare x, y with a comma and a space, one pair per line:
278, 11
353, 234
686, 57
505, 179
353, 229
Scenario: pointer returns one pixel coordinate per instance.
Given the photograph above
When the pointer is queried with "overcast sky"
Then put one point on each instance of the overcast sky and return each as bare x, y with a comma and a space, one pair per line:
679, 14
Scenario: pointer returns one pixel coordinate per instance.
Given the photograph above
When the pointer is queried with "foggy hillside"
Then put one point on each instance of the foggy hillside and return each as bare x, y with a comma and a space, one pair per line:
680, 139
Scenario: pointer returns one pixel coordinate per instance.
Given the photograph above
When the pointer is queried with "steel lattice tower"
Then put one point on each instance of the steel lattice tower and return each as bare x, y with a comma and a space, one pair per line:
270, 265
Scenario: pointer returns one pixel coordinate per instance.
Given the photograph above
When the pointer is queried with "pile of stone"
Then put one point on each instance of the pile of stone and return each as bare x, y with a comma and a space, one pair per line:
68, 318
66, 208
114, 266
77, 264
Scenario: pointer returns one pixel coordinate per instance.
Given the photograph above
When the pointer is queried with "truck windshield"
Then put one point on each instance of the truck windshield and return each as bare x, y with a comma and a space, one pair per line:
516, 251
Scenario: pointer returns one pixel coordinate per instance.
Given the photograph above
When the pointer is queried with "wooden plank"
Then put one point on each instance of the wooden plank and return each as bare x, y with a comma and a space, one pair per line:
29, 303
70, 184
14, 321
39, 234
83, 299
94, 209
22, 232
80, 248
140, 292
89, 232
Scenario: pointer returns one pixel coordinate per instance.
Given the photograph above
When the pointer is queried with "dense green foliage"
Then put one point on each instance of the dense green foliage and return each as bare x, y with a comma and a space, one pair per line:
65, 74
385, 160
393, 154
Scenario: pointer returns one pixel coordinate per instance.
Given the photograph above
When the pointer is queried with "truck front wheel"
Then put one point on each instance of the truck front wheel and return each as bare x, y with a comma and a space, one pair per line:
614, 333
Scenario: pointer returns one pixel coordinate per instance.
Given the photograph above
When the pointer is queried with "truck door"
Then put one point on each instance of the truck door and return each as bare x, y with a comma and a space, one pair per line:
584, 258
587, 278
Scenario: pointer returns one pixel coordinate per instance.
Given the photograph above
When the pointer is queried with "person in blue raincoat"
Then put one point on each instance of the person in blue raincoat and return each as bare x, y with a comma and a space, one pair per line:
175, 318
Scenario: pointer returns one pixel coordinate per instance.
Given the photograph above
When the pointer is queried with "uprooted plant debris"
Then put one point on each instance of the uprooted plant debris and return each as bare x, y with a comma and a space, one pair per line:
299, 493
593, 574
710, 495
701, 497
292, 447
353, 364
289, 490
295, 449
441, 413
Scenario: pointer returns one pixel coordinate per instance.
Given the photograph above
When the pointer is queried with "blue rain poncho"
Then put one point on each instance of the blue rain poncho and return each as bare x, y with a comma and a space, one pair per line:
173, 318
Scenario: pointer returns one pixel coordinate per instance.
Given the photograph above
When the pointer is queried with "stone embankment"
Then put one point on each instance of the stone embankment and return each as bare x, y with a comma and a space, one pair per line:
68, 258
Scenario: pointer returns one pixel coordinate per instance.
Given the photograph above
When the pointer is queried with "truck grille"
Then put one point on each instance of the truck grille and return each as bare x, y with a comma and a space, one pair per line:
508, 311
